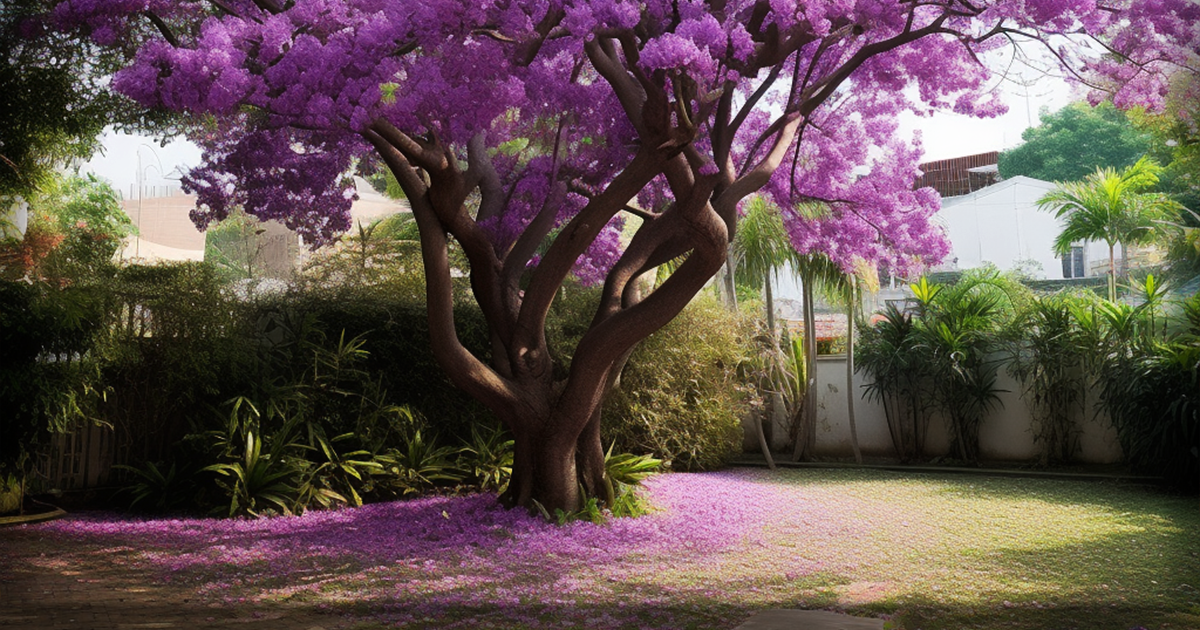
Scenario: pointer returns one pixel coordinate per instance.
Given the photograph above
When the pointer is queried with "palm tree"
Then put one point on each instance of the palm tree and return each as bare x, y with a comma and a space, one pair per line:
1109, 206
760, 250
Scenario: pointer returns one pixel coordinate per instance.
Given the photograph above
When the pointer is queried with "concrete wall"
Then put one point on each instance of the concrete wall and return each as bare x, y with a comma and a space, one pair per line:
1005, 435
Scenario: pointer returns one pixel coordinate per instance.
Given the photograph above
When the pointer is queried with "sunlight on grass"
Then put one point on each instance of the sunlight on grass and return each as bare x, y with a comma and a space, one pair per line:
929, 551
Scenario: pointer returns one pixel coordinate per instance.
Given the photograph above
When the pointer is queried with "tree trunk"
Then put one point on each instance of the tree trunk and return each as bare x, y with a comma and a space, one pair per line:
1112, 274
808, 420
728, 287
850, 370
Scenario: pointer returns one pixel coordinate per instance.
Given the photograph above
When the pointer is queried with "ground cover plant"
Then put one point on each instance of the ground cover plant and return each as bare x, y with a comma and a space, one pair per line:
926, 551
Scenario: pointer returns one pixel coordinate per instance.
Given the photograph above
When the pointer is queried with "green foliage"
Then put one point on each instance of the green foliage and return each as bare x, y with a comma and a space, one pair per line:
761, 247
55, 95
679, 396
258, 482
421, 466
12, 493
941, 359
1074, 141
49, 379
164, 489
959, 328
1109, 206
624, 473
233, 246
1148, 375
88, 213
486, 460
898, 380
383, 254
1051, 359
628, 469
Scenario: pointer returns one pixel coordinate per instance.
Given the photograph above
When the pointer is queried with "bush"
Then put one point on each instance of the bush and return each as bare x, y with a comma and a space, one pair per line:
48, 378
395, 331
1149, 379
679, 398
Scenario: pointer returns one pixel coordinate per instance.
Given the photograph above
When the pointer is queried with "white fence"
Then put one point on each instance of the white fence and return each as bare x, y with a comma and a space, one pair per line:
1006, 434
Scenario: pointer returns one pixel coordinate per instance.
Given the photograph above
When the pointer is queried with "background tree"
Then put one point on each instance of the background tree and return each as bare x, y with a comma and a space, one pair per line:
1074, 141
56, 98
1108, 206
1176, 134
529, 126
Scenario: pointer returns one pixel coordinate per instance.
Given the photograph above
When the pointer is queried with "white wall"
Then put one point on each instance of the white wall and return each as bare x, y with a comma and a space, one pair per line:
1005, 435
1002, 224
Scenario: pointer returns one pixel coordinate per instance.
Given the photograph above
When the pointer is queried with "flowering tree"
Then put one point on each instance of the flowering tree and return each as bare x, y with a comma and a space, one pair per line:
519, 126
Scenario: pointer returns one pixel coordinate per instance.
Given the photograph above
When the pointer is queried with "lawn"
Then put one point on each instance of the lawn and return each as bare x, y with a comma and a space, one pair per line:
925, 551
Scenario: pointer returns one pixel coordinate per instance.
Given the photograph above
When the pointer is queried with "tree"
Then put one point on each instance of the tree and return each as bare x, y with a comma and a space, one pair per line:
1107, 206
1072, 142
760, 250
1176, 134
526, 130
55, 97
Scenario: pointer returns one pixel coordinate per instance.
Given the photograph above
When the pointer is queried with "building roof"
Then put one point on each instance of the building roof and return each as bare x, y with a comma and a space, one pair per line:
960, 175
998, 187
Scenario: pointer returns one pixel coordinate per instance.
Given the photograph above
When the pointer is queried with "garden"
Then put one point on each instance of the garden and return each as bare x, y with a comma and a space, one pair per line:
522, 402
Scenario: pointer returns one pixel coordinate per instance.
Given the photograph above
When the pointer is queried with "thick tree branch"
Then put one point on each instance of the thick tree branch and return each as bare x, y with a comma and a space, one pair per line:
575, 238
629, 91
464, 369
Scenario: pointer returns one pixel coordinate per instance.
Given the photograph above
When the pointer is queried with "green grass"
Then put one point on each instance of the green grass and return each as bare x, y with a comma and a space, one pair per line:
959, 552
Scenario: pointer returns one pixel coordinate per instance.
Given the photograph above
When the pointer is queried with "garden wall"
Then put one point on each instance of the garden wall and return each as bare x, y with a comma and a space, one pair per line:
1006, 434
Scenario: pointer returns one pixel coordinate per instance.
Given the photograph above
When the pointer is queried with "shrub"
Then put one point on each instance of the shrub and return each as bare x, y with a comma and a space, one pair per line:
940, 358
1149, 379
395, 329
679, 397
1050, 360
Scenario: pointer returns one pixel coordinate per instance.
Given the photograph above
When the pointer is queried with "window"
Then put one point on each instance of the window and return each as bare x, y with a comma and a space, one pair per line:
1073, 264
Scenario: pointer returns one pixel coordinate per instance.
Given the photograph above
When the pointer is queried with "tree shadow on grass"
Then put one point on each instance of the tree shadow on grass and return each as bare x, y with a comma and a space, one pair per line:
1148, 579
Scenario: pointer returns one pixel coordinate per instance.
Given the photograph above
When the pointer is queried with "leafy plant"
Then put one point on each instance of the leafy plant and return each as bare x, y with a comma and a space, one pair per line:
337, 476
958, 330
941, 359
679, 395
258, 481
899, 380
162, 488
421, 465
486, 461
1150, 386
623, 473
1050, 359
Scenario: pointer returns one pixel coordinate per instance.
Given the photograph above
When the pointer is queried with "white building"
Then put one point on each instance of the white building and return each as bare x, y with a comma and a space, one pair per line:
1002, 225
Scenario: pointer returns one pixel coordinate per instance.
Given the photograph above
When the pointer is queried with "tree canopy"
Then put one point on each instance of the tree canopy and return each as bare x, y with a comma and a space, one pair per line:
1110, 206
1074, 141
55, 97
526, 130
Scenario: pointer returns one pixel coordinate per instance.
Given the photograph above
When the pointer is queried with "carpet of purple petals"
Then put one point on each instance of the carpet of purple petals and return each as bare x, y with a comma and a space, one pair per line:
717, 547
